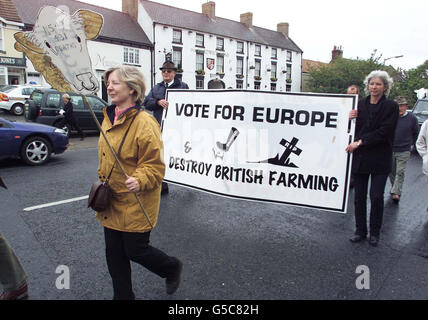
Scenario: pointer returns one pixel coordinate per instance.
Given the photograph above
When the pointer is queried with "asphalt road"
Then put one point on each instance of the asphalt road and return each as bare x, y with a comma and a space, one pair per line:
231, 249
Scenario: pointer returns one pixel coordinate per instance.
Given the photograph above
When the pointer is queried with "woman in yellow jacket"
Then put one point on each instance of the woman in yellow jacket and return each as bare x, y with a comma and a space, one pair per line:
126, 226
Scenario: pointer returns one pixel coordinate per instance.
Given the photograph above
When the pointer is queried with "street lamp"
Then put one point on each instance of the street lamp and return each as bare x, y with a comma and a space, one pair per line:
384, 60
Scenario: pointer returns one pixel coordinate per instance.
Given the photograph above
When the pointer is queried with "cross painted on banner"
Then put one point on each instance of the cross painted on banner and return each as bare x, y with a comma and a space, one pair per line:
290, 147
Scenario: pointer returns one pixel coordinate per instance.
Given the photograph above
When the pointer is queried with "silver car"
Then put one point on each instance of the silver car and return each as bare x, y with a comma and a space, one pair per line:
12, 99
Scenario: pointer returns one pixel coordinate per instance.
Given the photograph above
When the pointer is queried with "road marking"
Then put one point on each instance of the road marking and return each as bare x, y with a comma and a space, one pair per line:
55, 203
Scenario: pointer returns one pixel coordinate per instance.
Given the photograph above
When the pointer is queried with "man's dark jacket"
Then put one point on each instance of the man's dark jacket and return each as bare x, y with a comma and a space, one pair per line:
158, 93
375, 127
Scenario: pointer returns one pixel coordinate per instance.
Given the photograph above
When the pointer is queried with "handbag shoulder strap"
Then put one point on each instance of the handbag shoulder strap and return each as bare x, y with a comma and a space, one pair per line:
121, 144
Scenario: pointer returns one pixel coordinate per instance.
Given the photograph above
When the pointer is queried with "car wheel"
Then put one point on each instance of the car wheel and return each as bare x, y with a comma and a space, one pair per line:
18, 109
36, 151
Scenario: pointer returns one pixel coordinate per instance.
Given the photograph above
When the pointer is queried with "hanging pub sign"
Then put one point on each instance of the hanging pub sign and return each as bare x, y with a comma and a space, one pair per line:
210, 63
286, 148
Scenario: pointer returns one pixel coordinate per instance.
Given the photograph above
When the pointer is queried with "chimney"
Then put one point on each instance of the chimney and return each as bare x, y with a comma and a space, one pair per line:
247, 19
283, 27
130, 7
209, 9
336, 53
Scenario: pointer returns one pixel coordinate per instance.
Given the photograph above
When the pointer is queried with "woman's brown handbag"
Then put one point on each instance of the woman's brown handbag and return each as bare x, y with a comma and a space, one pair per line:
100, 194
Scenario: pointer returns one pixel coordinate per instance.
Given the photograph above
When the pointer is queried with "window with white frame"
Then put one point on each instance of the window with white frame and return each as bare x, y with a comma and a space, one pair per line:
258, 68
199, 83
177, 57
220, 44
176, 36
1, 38
256, 85
131, 55
258, 50
239, 47
220, 63
274, 53
288, 71
199, 61
240, 65
273, 70
199, 40
289, 55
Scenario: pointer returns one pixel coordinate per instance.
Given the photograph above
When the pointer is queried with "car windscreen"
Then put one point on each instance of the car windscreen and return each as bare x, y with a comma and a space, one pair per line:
8, 89
421, 106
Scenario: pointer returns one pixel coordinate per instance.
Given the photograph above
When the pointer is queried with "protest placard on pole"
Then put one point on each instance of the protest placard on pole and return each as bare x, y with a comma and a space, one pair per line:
286, 148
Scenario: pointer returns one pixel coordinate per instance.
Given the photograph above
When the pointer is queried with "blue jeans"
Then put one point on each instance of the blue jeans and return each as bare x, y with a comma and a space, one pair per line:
12, 275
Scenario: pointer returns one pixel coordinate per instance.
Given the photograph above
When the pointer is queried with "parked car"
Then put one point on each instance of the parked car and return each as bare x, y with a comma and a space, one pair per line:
4, 87
420, 110
12, 98
32, 142
44, 106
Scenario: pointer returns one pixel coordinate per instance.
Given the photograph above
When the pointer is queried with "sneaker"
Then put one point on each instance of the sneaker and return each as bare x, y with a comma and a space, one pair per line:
21, 293
173, 282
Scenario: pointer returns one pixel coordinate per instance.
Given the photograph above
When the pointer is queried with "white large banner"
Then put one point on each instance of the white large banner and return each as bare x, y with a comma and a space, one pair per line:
284, 148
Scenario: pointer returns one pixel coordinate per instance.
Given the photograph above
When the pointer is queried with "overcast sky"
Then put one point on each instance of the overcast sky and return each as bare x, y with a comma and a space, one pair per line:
393, 27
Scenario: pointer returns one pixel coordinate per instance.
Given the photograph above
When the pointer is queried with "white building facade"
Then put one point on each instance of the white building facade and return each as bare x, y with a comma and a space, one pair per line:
121, 42
242, 57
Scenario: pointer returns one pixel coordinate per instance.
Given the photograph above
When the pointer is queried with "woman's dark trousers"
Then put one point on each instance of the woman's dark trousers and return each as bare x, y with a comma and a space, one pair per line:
377, 187
123, 247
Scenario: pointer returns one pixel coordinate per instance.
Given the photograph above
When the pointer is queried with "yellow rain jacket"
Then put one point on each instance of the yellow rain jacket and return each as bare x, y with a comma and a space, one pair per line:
142, 158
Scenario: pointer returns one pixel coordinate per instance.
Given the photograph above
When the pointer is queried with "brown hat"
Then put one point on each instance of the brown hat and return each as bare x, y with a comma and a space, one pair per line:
168, 65
401, 100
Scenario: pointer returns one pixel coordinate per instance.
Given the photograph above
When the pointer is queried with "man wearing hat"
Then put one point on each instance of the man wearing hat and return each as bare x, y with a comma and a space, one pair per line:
155, 100
406, 133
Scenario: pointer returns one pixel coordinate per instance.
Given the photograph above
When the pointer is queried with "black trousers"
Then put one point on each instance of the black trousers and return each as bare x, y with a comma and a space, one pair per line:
72, 122
123, 247
377, 187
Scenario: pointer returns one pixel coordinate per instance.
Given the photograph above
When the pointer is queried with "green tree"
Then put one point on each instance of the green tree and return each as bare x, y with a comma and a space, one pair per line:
413, 79
338, 75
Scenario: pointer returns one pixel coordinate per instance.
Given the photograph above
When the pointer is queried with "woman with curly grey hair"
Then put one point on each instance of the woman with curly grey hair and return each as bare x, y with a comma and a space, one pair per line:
372, 153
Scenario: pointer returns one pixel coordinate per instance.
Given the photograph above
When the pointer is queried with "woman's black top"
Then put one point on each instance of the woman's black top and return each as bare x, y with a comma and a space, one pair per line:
375, 127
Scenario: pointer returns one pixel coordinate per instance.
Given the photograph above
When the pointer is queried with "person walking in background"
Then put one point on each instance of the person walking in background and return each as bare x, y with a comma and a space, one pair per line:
372, 153
405, 136
353, 89
13, 278
69, 116
155, 100
126, 227
422, 146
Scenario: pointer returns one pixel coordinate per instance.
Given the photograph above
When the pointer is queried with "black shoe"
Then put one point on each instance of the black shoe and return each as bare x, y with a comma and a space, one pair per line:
357, 238
373, 241
165, 189
173, 282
